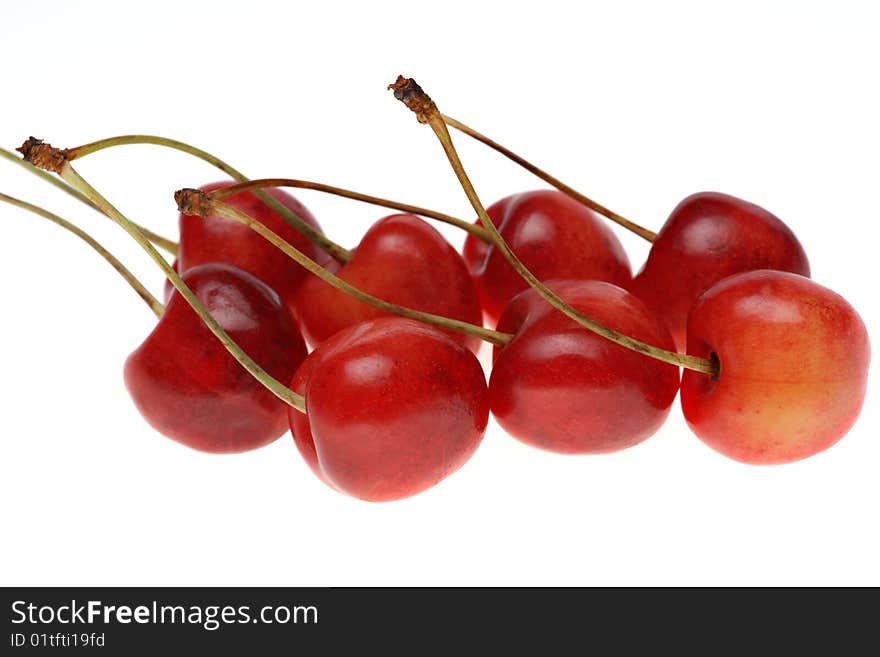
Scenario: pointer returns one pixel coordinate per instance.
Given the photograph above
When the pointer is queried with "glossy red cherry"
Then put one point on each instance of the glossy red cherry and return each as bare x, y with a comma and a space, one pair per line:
562, 388
393, 407
708, 237
793, 361
188, 387
401, 259
214, 239
554, 236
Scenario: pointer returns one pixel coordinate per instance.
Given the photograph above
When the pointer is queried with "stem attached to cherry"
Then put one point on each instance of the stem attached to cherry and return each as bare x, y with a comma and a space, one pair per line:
52, 159
474, 229
164, 243
410, 93
316, 237
631, 226
199, 203
154, 304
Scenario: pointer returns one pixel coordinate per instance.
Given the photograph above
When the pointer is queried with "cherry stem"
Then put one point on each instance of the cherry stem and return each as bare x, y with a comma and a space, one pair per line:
225, 192
315, 236
201, 204
132, 280
410, 93
641, 231
52, 159
164, 243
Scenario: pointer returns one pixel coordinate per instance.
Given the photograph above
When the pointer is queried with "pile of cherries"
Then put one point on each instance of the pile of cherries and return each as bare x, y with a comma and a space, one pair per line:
394, 405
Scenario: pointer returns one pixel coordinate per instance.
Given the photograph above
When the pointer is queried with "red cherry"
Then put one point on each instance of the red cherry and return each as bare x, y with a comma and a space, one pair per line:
188, 387
403, 260
214, 239
393, 407
562, 388
708, 237
793, 361
554, 237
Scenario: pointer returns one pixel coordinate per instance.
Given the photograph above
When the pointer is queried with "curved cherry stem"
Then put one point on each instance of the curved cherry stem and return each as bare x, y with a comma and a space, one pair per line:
164, 243
52, 159
315, 236
154, 304
410, 93
225, 192
631, 226
198, 203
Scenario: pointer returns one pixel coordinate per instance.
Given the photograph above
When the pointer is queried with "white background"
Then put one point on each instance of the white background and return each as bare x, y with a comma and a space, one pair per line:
638, 104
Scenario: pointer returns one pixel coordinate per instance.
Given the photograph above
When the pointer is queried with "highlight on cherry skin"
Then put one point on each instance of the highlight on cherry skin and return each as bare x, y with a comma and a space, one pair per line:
393, 407
793, 361
403, 260
214, 239
554, 236
708, 237
188, 387
561, 388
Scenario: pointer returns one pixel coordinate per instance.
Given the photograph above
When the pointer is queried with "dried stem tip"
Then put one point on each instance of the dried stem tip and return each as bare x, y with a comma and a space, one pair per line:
194, 202
43, 156
408, 91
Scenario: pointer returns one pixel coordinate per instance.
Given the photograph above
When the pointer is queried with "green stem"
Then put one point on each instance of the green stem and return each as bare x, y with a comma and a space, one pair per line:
311, 233
194, 201
164, 243
631, 226
474, 229
69, 174
132, 280
169, 246
409, 92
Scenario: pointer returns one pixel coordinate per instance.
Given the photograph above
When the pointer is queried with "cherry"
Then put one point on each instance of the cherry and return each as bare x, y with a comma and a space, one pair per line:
564, 389
403, 260
213, 239
554, 236
188, 387
393, 407
708, 237
793, 360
